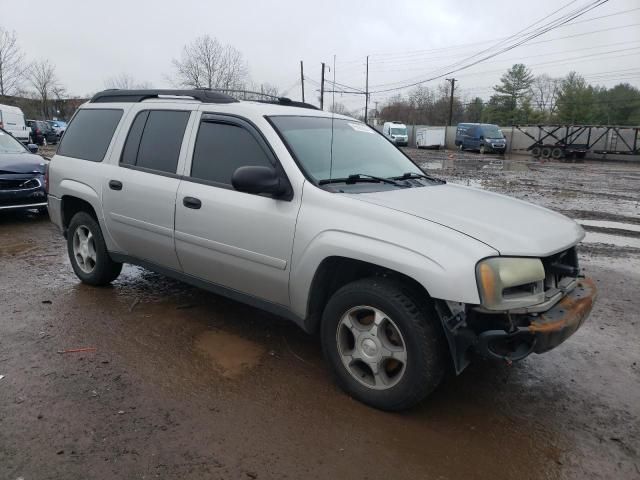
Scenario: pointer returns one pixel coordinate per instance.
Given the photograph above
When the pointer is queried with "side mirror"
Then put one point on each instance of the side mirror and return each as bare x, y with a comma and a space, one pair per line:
33, 148
253, 179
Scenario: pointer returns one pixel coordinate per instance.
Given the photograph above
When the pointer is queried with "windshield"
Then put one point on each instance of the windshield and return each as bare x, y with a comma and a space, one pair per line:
398, 131
357, 149
491, 131
8, 144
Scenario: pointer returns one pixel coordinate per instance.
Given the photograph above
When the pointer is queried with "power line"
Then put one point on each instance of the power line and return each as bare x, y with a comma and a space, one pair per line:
528, 36
522, 59
453, 47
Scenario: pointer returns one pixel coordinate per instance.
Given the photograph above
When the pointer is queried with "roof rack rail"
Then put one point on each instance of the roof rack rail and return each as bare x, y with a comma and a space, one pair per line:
288, 102
274, 99
204, 95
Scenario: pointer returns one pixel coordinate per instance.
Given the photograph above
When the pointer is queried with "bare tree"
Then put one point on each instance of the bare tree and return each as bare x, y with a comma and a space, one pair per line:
43, 79
207, 63
11, 63
125, 81
544, 91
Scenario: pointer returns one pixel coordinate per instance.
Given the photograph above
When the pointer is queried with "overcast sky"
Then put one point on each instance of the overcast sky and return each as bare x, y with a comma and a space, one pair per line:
90, 41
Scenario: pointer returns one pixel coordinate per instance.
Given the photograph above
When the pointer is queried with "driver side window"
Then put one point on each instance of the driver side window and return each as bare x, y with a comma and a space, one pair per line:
221, 148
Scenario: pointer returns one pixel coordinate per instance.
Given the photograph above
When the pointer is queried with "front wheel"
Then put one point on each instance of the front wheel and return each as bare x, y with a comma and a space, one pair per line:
88, 252
384, 343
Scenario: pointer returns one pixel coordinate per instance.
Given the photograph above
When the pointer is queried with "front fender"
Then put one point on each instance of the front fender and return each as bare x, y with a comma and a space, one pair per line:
439, 281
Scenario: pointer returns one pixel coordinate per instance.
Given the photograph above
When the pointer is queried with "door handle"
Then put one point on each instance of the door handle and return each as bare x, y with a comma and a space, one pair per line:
115, 185
191, 202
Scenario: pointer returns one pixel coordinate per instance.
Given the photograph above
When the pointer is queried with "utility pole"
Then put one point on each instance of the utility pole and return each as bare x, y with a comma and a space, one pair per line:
302, 79
366, 95
453, 86
322, 88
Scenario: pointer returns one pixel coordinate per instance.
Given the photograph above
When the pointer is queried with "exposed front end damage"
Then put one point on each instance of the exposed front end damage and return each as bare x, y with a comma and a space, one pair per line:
514, 334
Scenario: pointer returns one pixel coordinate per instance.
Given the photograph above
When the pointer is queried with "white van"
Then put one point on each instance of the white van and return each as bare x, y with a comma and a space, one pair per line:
430, 137
12, 120
396, 132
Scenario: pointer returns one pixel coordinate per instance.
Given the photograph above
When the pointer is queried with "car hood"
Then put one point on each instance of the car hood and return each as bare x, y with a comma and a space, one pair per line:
510, 226
21, 163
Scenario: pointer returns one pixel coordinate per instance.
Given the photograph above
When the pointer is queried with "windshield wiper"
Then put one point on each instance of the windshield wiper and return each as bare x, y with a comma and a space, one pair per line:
359, 177
410, 175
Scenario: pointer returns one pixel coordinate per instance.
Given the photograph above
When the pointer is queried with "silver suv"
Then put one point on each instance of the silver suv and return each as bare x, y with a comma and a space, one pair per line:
322, 220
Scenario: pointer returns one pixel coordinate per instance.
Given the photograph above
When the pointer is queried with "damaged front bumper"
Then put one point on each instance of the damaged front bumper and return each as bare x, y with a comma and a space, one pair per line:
512, 337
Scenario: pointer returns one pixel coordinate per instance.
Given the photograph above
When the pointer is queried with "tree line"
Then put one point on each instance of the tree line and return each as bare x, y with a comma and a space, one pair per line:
204, 63
521, 98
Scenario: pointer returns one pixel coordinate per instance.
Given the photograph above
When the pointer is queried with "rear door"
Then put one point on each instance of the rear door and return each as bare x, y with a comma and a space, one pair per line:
139, 192
237, 240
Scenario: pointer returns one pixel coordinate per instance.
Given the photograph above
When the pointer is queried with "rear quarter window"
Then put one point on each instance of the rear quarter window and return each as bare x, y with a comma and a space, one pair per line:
89, 134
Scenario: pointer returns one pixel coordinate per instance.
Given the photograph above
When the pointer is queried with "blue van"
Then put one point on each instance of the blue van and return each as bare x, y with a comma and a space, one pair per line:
460, 132
484, 137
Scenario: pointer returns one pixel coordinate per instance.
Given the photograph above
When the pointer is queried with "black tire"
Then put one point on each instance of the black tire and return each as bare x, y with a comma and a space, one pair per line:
557, 153
536, 152
546, 152
105, 270
417, 321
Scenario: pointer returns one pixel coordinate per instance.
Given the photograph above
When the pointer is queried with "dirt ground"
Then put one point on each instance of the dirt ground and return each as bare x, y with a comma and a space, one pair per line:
184, 384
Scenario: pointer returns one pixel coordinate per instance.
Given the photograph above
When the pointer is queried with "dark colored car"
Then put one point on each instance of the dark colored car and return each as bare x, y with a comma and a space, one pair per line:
484, 137
22, 176
42, 133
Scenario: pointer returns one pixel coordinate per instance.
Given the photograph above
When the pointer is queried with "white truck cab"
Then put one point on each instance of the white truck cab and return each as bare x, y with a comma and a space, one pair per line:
317, 218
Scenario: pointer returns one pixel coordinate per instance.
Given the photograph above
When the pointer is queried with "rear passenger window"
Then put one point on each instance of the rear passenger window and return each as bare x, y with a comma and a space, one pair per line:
89, 134
155, 139
221, 148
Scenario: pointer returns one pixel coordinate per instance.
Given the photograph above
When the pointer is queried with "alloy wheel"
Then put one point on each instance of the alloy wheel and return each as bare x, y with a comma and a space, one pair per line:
84, 249
371, 347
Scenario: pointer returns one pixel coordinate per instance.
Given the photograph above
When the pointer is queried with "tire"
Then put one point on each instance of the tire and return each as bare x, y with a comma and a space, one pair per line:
557, 153
536, 152
482, 149
92, 265
545, 152
405, 320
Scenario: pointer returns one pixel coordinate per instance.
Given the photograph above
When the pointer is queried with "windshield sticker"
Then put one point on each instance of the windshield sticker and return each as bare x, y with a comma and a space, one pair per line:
360, 128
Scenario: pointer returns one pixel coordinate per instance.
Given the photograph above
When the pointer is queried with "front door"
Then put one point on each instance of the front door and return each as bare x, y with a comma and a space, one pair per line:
237, 240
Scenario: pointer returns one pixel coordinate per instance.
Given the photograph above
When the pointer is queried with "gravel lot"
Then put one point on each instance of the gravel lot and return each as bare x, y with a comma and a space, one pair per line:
184, 384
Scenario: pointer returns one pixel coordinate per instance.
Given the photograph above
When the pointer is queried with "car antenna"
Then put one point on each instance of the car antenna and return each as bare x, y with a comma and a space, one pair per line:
333, 114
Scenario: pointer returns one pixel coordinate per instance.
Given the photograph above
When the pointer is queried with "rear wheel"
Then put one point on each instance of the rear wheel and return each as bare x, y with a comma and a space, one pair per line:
385, 345
546, 152
88, 252
557, 153
536, 152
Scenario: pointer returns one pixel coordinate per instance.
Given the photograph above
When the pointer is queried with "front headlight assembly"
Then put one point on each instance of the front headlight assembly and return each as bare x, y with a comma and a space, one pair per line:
507, 283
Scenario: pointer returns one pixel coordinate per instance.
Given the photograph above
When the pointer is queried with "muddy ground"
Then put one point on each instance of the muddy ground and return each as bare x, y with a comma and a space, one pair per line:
184, 384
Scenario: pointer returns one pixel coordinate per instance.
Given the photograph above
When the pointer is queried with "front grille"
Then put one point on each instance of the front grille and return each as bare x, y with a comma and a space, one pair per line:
560, 267
19, 184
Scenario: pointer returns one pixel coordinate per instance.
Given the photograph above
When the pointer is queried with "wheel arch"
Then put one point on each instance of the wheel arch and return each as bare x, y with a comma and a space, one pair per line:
334, 272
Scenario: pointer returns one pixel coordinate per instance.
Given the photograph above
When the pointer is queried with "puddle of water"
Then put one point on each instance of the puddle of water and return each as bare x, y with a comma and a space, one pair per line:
619, 241
468, 182
609, 224
230, 354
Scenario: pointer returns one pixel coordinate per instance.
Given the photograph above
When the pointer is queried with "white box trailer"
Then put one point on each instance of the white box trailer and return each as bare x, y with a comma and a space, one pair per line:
431, 137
